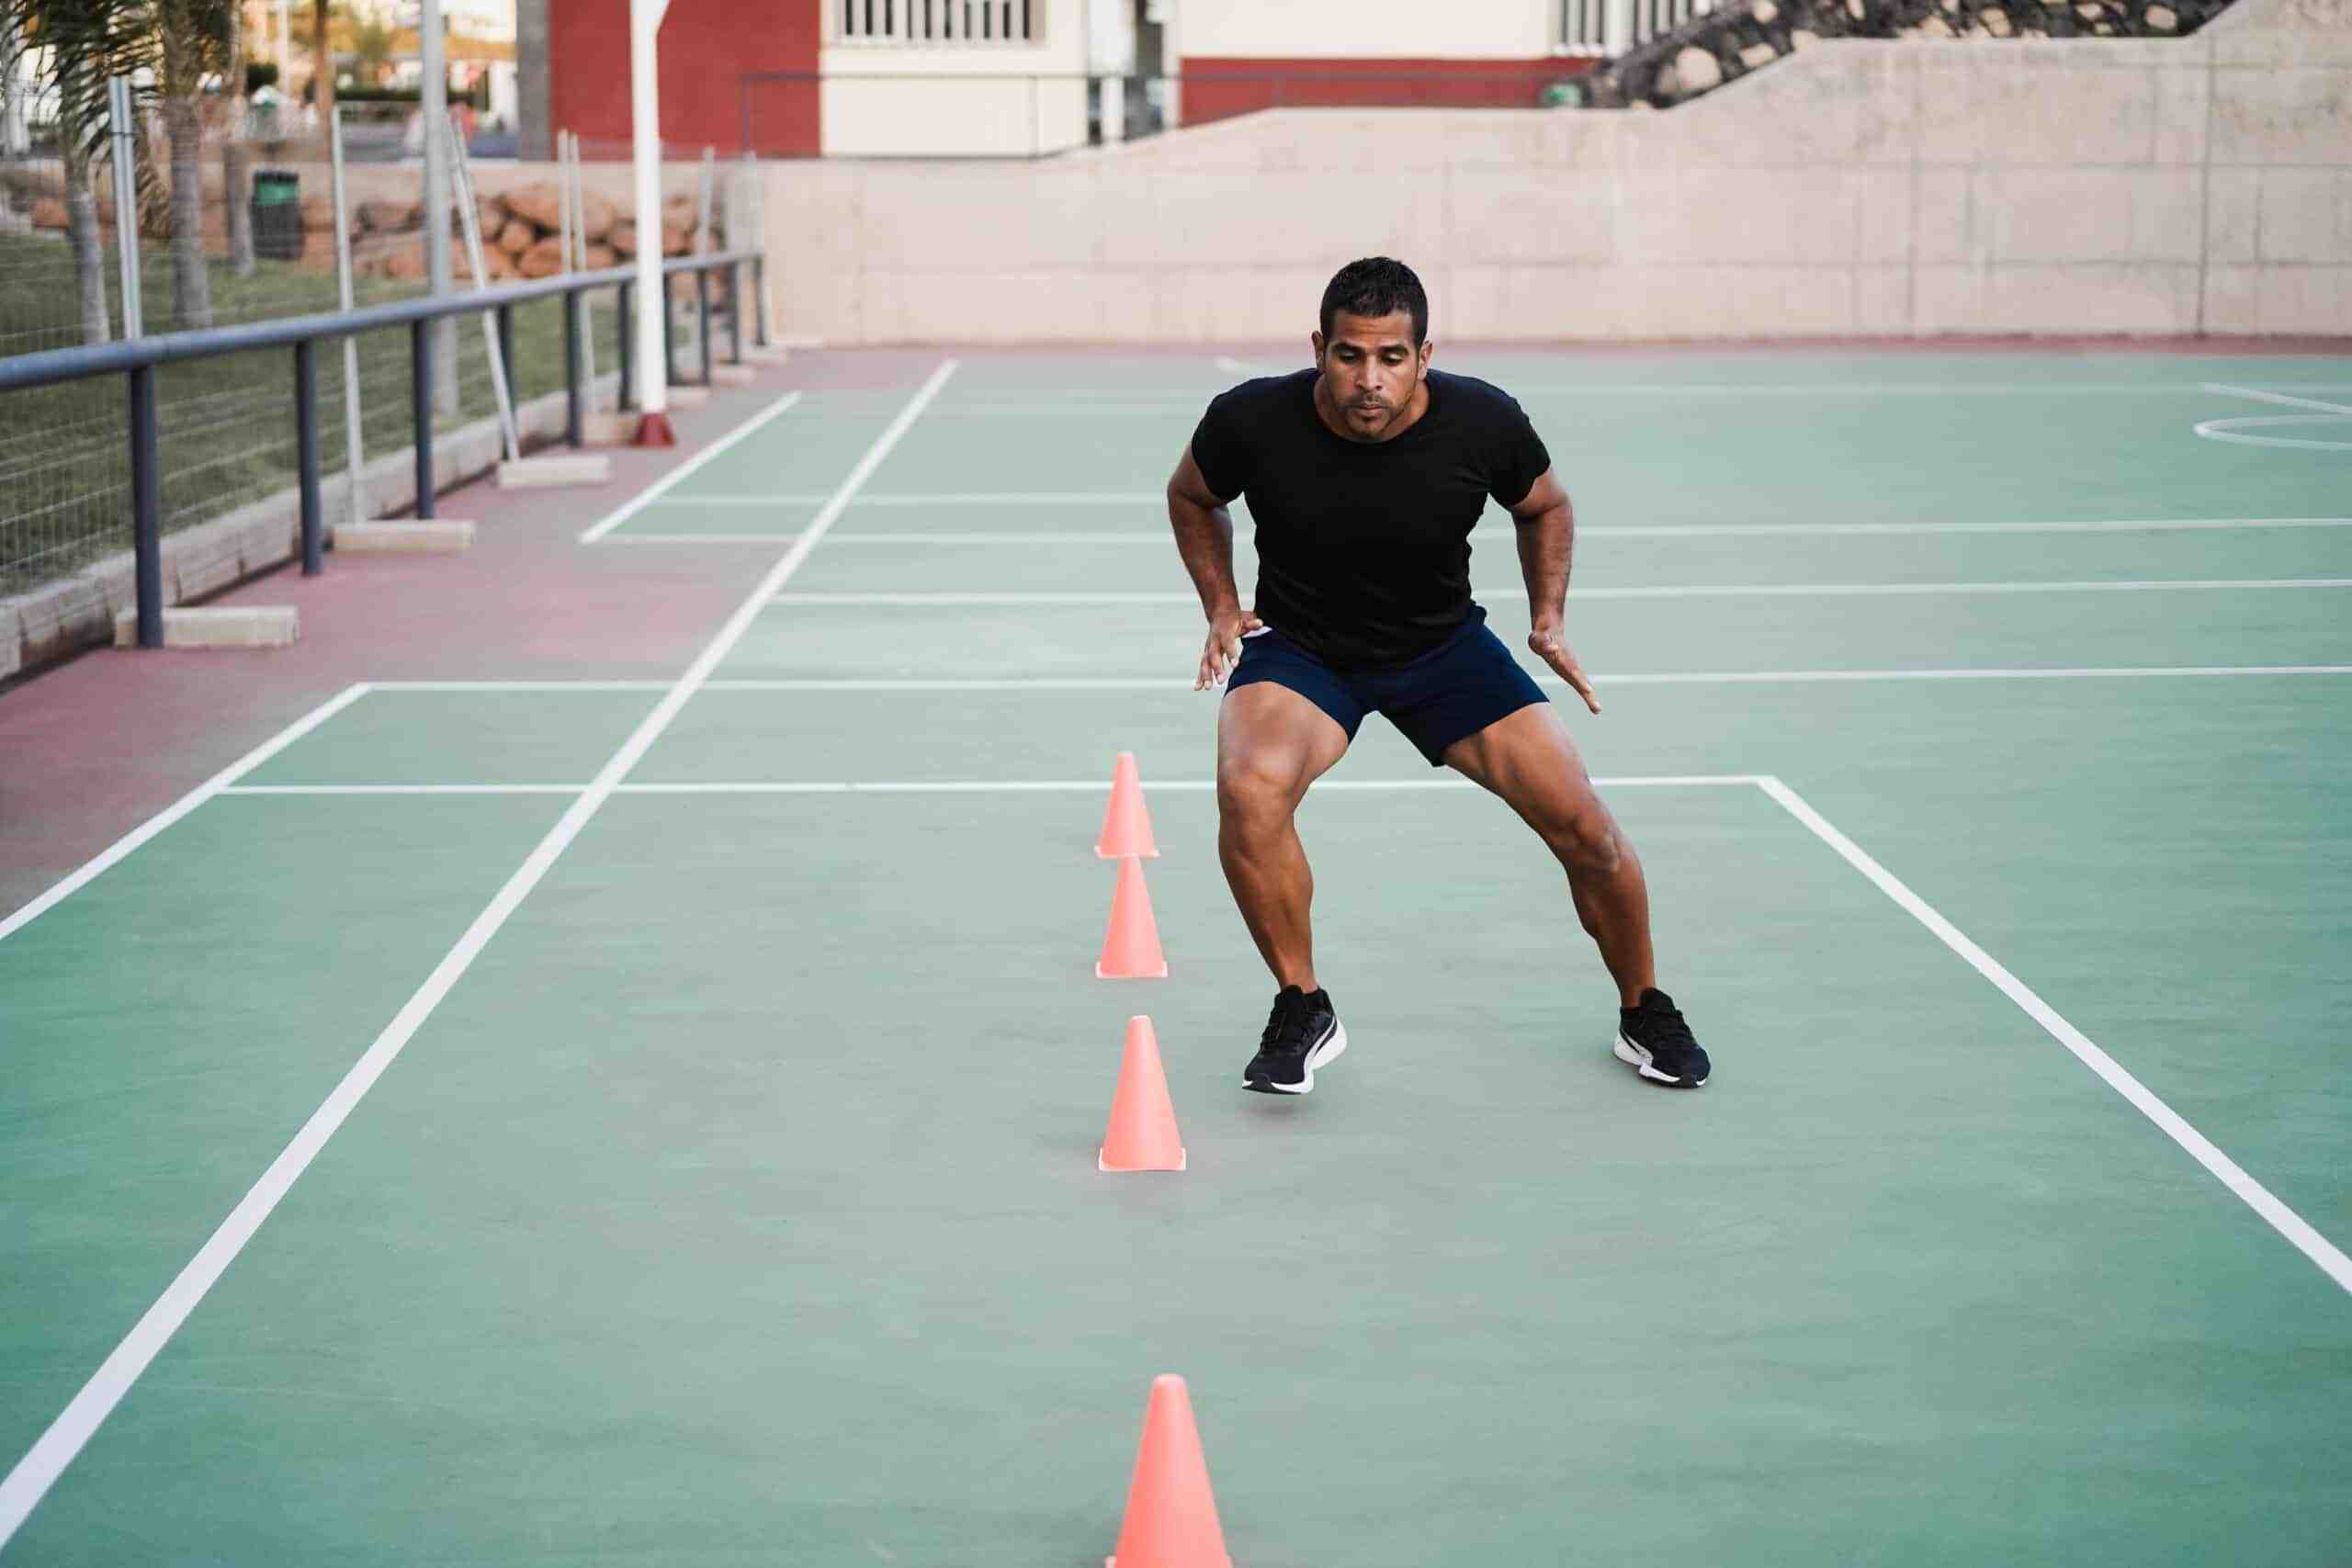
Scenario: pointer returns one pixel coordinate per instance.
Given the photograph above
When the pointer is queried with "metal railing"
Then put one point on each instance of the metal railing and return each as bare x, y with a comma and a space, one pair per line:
135, 360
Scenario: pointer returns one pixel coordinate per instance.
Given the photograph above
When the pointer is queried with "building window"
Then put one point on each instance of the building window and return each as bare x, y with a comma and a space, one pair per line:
938, 21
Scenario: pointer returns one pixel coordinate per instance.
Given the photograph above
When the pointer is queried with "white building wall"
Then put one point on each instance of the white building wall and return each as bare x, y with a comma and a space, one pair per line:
885, 97
1368, 29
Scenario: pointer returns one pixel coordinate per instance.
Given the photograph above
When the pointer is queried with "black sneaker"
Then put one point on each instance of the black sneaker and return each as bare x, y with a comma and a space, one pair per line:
1654, 1041
1302, 1034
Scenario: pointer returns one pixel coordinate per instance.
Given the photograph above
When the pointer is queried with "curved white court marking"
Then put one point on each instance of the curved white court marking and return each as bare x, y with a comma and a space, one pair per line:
2324, 414
2235, 429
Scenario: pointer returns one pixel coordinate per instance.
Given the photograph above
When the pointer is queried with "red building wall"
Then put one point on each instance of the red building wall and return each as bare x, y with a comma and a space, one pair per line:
707, 48
1219, 88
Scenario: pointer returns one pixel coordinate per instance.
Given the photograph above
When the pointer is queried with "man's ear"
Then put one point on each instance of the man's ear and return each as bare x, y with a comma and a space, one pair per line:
1314, 342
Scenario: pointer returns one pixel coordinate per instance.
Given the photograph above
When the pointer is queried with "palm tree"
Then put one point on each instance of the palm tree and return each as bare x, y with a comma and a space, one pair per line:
371, 47
323, 59
86, 43
191, 42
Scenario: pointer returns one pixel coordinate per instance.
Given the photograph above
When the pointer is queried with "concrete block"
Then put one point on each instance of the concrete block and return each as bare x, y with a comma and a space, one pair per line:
436, 535
235, 626
613, 428
687, 397
2089, 215
2233, 198
2233, 299
553, 471
1883, 200
2142, 297
724, 375
1883, 300
1943, 217
1500, 215
2315, 300
12, 638
773, 353
2305, 215
2277, 115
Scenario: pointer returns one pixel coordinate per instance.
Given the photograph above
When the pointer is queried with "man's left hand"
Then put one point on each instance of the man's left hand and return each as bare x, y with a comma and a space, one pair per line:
1547, 643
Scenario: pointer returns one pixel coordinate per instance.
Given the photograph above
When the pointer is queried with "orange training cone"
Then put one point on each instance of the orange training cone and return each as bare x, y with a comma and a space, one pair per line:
1126, 826
1131, 943
1171, 1515
1142, 1135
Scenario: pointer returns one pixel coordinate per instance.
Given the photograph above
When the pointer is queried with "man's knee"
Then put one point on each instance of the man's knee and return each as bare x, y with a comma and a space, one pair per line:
1255, 793
1587, 842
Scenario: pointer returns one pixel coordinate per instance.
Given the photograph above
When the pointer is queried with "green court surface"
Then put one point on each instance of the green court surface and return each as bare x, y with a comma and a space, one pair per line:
703, 1079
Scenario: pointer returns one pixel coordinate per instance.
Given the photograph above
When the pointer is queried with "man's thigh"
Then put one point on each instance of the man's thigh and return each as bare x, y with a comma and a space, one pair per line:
1273, 737
1528, 759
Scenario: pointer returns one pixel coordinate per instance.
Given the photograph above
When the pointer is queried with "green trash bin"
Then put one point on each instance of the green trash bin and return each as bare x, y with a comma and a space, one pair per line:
277, 214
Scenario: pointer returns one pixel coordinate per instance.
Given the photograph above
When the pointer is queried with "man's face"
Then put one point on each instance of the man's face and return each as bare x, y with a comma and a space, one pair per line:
1371, 366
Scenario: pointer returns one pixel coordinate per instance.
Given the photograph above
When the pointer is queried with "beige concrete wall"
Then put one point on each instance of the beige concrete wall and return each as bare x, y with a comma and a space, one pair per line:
1857, 188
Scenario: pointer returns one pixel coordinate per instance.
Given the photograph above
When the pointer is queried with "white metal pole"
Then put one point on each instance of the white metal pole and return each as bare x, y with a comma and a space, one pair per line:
645, 149
470, 222
126, 202
353, 458
435, 103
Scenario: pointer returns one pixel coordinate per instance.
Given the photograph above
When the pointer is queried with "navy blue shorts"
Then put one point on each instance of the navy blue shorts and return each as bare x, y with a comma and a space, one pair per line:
1449, 694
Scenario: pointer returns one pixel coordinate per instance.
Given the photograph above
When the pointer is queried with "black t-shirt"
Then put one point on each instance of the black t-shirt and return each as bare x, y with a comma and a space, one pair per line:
1364, 546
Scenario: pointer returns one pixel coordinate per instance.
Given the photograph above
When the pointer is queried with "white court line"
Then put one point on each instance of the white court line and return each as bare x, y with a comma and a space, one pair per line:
32, 1476
942, 498
408, 789
1581, 596
113, 853
2280, 1218
930, 786
1666, 678
1149, 682
1503, 378
638, 501
520, 686
2293, 402
702, 538
2234, 429
1159, 537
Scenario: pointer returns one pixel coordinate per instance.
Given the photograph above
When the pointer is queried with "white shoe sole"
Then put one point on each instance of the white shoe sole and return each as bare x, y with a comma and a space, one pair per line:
1330, 1051
1634, 1056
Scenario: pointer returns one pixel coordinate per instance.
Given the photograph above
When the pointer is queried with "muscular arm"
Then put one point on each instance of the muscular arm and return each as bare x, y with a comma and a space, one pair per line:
1546, 526
1204, 530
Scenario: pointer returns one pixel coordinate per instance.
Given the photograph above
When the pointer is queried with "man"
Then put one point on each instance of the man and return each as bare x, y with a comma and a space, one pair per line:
1366, 475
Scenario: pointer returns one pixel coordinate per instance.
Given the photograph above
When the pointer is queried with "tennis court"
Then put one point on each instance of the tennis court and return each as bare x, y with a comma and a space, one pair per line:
526, 1120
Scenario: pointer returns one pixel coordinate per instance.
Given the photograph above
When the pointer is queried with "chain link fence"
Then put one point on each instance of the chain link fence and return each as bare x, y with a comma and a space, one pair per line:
263, 246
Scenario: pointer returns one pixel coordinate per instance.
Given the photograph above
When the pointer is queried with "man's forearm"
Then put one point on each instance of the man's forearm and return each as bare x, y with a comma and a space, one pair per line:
1204, 538
1546, 544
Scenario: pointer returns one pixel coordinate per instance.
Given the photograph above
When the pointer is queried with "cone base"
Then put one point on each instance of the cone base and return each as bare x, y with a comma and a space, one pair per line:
1101, 1162
1113, 1562
1101, 853
653, 429
1103, 973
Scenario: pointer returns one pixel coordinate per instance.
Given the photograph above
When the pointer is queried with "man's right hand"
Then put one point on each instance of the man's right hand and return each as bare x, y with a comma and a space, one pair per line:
1223, 650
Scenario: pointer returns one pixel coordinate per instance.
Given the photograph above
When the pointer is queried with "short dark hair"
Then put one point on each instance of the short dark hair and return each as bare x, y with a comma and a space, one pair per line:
1377, 286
